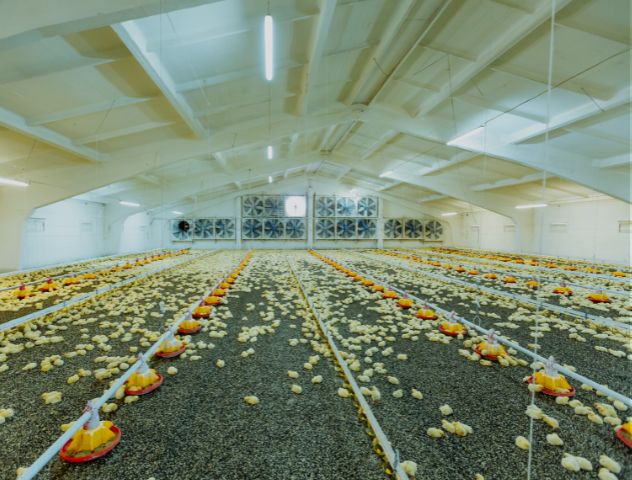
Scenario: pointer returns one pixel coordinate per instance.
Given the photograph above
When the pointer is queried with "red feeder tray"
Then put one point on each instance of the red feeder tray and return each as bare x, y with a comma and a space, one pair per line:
624, 437
197, 316
175, 353
149, 388
450, 334
92, 456
546, 391
487, 357
189, 331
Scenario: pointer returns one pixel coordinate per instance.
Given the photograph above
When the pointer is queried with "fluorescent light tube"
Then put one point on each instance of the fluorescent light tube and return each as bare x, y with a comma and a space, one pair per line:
12, 183
176, 212
269, 179
129, 204
531, 205
386, 173
270, 152
268, 28
449, 214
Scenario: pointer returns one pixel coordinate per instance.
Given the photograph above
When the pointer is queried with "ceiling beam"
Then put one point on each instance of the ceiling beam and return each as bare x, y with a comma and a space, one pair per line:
318, 40
380, 143
88, 109
15, 122
509, 182
513, 35
432, 198
28, 21
616, 161
102, 136
391, 30
572, 116
135, 41
459, 158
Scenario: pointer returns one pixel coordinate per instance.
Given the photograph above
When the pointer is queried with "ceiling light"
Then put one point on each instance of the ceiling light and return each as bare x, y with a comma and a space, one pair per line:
387, 173
268, 28
270, 152
13, 183
129, 204
269, 179
449, 214
176, 212
460, 138
531, 205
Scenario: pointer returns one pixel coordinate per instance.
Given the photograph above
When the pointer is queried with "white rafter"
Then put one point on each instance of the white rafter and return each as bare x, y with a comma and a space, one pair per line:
318, 40
503, 43
121, 132
509, 182
133, 38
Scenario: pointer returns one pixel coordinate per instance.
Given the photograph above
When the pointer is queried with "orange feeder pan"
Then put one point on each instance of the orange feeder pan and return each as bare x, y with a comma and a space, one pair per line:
378, 288
599, 298
173, 353
490, 276
452, 334
624, 435
389, 294
366, 282
546, 391
107, 448
493, 358
189, 331
148, 388
405, 303
426, 315
212, 300
563, 291
218, 292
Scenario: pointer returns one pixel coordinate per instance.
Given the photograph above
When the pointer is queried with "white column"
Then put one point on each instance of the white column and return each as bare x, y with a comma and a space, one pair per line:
380, 223
309, 218
238, 222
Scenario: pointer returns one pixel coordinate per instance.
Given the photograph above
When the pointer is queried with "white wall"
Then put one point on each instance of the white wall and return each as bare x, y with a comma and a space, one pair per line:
587, 230
62, 232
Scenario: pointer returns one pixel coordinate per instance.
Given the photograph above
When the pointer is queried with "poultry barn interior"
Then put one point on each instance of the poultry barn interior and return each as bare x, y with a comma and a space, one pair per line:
315, 239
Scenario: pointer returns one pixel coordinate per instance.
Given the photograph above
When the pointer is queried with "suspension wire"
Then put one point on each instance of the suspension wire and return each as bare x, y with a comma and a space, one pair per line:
546, 156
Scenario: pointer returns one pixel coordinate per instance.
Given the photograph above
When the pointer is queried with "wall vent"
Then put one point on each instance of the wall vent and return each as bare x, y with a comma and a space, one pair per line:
559, 227
625, 226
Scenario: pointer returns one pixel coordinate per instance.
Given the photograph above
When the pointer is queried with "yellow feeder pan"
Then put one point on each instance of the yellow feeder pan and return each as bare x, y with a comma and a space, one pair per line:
591, 270
533, 284
143, 381
550, 265
459, 269
472, 272
127, 266
49, 286
405, 303
218, 292
618, 274
599, 298
490, 348
351, 274
70, 281
92, 441
23, 292
509, 279
378, 288
212, 300
552, 382
230, 279
490, 276
117, 268
519, 261
452, 329
447, 266
201, 311
426, 314
563, 290
171, 347
389, 294
367, 283
224, 285
89, 276
570, 268
358, 278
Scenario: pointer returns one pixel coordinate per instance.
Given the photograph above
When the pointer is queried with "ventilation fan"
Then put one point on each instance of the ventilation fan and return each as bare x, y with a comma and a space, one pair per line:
274, 206
273, 228
433, 230
251, 228
366, 228
203, 228
295, 228
393, 228
225, 228
413, 228
345, 207
181, 230
367, 207
345, 228
325, 228
325, 206
252, 206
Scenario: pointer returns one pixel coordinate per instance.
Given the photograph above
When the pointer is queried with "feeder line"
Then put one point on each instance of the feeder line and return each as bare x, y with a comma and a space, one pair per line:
78, 424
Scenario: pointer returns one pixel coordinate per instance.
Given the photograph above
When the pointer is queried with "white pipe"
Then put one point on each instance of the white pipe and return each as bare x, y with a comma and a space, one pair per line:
391, 455
51, 451
73, 301
605, 322
597, 386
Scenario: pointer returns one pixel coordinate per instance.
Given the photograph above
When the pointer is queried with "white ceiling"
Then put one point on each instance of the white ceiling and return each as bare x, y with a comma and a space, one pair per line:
126, 102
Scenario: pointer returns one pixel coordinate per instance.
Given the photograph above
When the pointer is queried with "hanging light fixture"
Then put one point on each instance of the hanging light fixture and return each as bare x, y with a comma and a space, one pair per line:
270, 152
13, 183
268, 38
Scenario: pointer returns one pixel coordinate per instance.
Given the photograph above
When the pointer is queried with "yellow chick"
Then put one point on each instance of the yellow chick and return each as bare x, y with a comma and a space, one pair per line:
409, 467
446, 409
605, 474
522, 443
607, 462
172, 371
416, 394
344, 393
292, 374
297, 389
554, 439
317, 379
434, 432
251, 399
